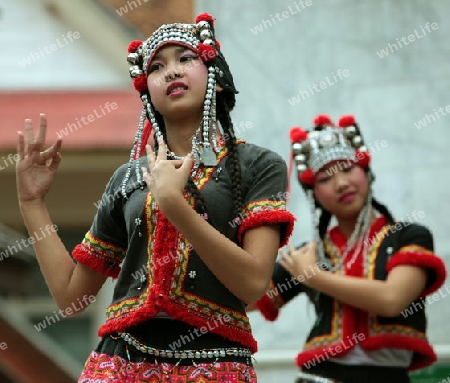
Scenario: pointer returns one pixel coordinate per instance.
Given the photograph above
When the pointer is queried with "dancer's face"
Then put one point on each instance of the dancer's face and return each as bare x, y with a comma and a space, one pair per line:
177, 80
341, 188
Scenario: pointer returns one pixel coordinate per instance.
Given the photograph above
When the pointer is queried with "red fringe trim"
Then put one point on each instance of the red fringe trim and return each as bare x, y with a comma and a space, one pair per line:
243, 337
268, 218
267, 308
132, 318
179, 312
426, 353
165, 241
97, 264
304, 357
429, 261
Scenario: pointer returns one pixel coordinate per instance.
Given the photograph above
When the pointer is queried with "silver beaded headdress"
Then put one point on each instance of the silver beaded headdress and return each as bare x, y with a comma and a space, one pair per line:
326, 143
199, 37
323, 144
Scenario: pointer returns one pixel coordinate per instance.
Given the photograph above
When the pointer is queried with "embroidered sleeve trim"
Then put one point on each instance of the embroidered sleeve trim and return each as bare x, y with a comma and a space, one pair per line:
99, 255
265, 212
419, 256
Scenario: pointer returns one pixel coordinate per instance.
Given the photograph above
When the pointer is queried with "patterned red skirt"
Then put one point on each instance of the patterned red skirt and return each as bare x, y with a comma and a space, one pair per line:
103, 368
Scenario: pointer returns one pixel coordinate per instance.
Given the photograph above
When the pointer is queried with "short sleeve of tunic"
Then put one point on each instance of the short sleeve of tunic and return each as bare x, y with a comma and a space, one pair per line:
417, 249
265, 181
104, 246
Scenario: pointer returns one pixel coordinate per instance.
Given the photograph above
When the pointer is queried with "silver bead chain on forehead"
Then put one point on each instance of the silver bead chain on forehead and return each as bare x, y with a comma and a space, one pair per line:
182, 33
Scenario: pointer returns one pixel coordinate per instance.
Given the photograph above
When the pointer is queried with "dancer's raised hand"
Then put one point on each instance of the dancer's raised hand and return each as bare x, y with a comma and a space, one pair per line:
37, 166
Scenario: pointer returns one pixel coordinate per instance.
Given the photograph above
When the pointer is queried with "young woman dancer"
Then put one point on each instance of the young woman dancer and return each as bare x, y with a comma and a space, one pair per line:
367, 277
196, 216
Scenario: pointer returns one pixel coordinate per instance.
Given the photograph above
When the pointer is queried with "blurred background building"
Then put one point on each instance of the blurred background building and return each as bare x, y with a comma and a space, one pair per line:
68, 60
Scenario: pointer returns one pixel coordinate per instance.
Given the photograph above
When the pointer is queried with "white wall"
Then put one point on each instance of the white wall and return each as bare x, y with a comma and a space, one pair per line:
27, 27
387, 95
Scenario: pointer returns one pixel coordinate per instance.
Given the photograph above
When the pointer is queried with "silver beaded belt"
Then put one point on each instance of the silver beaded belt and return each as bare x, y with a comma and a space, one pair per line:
186, 354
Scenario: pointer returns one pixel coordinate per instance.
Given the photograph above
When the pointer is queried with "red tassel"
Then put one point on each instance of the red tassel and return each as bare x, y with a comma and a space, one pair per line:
347, 120
134, 45
307, 177
148, 130
297, 134
322, 119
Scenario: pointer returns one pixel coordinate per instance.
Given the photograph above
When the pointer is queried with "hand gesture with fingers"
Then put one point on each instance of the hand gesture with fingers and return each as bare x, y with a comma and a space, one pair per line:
36, 166
165, 178
300, 262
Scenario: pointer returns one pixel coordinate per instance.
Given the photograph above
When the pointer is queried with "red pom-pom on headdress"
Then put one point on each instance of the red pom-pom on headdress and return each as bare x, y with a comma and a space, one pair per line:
297, 134
206, 52
205, 17
322, 119
134, 45
347, 120
363, 159
140, 83
307, 177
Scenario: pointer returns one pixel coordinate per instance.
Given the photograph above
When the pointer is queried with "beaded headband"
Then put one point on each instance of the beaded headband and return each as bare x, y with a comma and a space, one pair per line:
199, 37
326, 143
